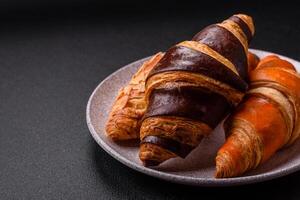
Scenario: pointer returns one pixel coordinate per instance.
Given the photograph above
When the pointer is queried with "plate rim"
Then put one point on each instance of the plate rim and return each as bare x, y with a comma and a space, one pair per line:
186, 180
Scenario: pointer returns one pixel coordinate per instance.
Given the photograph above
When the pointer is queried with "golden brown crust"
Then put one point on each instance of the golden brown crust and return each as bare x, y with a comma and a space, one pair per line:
243, 143
281, 102
180, 129
129, 106
285, 80
271, 109
152, 155
184, 131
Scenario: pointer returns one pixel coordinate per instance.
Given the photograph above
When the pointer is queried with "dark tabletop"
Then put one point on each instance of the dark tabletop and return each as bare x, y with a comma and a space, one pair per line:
51, 59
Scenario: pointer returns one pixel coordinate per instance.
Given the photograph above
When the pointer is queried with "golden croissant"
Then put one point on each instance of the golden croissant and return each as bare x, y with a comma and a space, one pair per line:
266, 121
129, 107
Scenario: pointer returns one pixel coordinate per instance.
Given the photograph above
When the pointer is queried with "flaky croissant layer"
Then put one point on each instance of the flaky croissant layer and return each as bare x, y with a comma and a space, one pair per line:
129, 107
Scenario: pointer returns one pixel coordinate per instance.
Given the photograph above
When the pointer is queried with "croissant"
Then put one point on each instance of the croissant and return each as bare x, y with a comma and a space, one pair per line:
124, 124
266, 120
193, 87
129, 107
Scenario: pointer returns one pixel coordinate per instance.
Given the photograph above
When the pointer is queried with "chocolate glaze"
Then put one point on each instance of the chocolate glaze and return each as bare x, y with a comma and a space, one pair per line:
180, 58
188, 102
245, 28
226, 44
174, 146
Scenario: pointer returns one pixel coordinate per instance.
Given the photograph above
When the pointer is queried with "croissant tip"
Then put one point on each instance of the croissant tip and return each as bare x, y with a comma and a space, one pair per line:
219, 173
222, 167
249, 21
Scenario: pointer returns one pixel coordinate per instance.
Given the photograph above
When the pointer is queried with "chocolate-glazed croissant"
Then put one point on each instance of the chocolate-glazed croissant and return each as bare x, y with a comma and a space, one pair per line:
193, 87
129, 107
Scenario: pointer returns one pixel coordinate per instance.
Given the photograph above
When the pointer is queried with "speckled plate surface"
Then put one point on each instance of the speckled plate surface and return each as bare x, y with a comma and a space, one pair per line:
198, 167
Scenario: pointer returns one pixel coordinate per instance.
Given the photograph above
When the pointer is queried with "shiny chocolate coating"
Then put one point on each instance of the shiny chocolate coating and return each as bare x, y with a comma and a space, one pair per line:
188, 102
226, 44
180, 58
243, 26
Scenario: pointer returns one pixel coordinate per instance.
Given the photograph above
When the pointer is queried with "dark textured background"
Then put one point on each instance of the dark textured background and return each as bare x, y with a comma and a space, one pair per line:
54, 53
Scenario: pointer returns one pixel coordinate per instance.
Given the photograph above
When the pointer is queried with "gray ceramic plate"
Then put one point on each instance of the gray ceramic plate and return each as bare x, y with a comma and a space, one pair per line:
198, 167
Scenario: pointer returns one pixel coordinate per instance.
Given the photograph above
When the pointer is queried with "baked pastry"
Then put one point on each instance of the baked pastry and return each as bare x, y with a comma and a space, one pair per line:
129, 107
266, 120
193, 87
